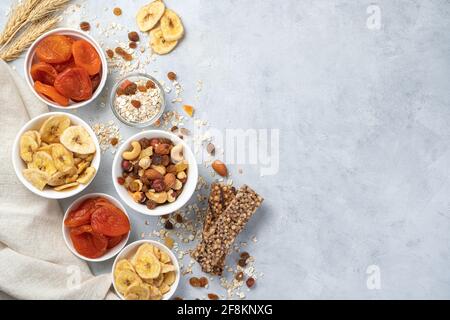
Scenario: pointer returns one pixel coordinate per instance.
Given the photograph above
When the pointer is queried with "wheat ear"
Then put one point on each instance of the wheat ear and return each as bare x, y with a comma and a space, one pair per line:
17, 18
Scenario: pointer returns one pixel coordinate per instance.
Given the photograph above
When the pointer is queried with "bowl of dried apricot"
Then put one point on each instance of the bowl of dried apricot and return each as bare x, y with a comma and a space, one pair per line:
145, 270
96, 227
56, 155
155, 172
66, 68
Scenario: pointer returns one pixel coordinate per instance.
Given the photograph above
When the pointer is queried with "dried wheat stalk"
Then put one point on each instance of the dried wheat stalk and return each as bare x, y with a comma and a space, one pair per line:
44, 8
31, 33
17, 18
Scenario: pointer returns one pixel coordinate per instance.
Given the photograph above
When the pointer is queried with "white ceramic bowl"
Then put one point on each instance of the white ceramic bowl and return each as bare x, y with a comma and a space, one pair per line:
19, 164
130, 250
77, 34
189, 186
66, 231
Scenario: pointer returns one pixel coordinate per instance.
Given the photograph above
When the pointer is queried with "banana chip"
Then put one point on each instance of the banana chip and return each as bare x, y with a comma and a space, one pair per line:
66, 186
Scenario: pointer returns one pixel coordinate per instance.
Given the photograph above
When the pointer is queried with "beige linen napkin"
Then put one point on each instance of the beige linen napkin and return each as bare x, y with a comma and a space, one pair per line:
34, 260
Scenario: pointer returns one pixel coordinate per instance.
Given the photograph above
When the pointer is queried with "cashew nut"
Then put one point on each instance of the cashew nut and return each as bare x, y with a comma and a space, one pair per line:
178, 185
160, 169
176, 154
181, 175
134, 153
145, 162
158, 197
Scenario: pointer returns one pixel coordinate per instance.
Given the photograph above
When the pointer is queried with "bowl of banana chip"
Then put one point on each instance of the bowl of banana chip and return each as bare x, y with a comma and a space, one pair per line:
56, 155
145, 270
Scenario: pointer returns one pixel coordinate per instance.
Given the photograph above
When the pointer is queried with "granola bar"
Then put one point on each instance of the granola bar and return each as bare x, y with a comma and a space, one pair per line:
213, 250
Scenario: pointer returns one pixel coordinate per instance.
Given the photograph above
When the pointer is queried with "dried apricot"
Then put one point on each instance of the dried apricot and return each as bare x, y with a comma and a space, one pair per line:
86, 56
114, 241
110, 221
43, 72
95, 81
54, 49
60, 67
74, 83
88, 243
51, 93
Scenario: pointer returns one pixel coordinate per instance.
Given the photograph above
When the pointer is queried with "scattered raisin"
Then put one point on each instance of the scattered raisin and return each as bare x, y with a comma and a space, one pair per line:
136, 103
121, 180
239, 276
125, 55
168, 225
133, 36
178, 218
150, 84
172, 76
250, 282
177, 298
213, 296
114, 141
85, 26
174, 128
245, 255
133, 45
165, 216
195, 282
156, 159
117, 11
203, 282
110, 53
242, 262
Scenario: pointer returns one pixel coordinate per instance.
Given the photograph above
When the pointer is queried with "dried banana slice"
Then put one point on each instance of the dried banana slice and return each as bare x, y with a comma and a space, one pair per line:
167, 268
146, 247
171, 26
66, 186
164, 258
147, 266
82, 166
77, 139
137, 292
155, 293
28, 146
125, 279
87, 175
62, 157
44, 162
169, 278
123, 264
159, 44
47, 148
60, 178
53, 127
35, 135
164, 288
158, 281
149, 15
36, 177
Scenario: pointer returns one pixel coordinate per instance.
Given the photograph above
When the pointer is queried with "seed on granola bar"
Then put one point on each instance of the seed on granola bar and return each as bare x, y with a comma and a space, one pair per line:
85, 26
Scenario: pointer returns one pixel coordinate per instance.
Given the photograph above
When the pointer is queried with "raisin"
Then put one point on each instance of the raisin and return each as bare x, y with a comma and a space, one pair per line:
114, 141
150, 84
136, 103
174, 128
159, 185
168, 225
133, 36
245, 255
132, 45
156, 159
195, 282
239, 276
110, 53
250, 282
242, 263
178, 218
125, 55
203, 282
213, 296
85, 26
172, 76
177, 298
117, 11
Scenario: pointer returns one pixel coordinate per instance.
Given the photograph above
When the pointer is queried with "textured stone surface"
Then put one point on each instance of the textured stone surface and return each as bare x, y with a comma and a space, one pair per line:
364, 128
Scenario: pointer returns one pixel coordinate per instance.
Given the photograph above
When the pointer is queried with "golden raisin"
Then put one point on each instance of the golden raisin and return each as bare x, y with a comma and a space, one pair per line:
117, 11
172, 76
169, 242
85, 26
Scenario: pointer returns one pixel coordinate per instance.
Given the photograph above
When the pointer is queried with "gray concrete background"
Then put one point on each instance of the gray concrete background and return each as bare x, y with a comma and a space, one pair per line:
364, 120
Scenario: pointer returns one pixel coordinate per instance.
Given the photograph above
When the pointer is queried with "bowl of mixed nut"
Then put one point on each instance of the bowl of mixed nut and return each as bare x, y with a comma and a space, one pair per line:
137, 100
155, 172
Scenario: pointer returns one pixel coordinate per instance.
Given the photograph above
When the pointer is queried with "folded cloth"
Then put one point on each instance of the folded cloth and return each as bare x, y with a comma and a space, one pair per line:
34, 261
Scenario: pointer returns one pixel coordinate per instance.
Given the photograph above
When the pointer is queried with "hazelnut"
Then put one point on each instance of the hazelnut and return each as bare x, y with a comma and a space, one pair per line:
150, 204
145, 163
171, 196
181, 175
178, 185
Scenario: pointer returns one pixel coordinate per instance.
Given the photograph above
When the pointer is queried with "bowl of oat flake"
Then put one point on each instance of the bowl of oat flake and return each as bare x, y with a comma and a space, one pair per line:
137, 100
